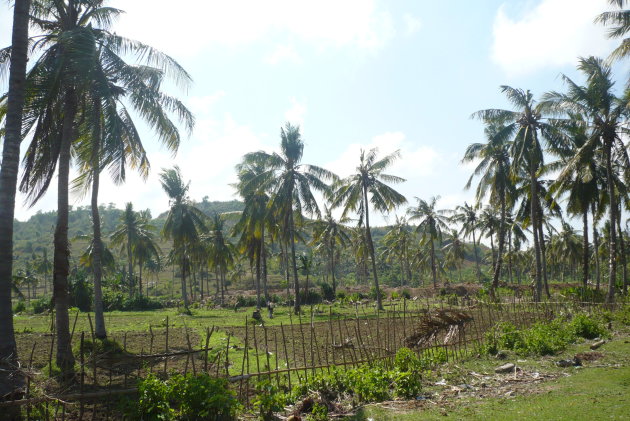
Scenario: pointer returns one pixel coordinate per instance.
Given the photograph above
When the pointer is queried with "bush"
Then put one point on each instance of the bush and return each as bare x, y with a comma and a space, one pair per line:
80, 291
313, 297
587, 327
19, 307
327, 291
406, 294
268, 400
190, 397
395, 295
372, 294
41, 305
117, 300
341, 296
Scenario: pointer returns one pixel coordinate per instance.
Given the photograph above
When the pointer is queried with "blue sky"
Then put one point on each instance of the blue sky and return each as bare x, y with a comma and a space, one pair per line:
354, 73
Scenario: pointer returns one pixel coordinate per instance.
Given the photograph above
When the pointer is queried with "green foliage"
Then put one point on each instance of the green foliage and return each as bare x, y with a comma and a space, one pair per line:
395, 295
406, 294
153, 400
312, 297
318, 413
580, 294
542, 338
202, 397
190, 397
80, 291
587, 327
19, 307
407, 360
341, 296
407, 385
327, 291
372, 293
117, 300
268, 400
41, 305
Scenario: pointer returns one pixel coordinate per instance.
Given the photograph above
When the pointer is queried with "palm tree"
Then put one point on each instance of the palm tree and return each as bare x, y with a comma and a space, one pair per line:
579, 179
606, 115
467, 217
494, 170
454, 252
367, 186
134, 235
76, 48
621, 21
329, 234
184, 222
8, 182
306, 266
432, 223
489, 225
220, 251
290, 184
396, 243
528, 129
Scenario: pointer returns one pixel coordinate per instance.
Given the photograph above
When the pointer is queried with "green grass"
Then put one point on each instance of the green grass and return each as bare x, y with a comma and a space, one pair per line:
590, 393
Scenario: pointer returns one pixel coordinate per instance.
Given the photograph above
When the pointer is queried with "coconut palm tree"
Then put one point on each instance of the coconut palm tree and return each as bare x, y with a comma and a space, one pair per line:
454, 252
468, 218
529, 131
331, 236
221, 252
432, 222
8, 183
396, 243
494, 168
606, 114
580, 179
184, 223
620, 19
290, 184
367, 187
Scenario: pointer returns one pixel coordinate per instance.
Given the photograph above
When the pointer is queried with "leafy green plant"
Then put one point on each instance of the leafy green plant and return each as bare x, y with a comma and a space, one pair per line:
41, 305
268, 400
153, 400
19, 307
318, 413
202, 397
587, 327
407, 385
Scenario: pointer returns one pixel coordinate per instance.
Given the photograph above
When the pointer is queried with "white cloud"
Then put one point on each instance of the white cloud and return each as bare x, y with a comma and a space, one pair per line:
191, 27
284, 53
412, 24
295, 114
553, 33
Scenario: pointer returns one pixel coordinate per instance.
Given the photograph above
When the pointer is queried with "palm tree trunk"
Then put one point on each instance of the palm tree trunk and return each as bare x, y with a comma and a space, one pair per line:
368, 234
97, 245
497, 269
510, 268
596, 248
494, 260
183, 275
264, 264
332, 269
585, 254
64, 357
258, 273
612, 209
296, 306
622, 253
9, 383
140, 275
433, 267
534, 217
543, 252
476, 256
222, 273
130, 266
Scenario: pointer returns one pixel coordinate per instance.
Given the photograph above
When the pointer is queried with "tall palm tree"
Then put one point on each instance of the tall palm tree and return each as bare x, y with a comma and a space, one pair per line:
330, 235
494, 168
432, 222
580, 178
529, 129
606, 114
184, 222
8, 182
620, 19
75, 47
467, 217
396, 243
367, 187
290, 184
455, 252
220, 251
489, 226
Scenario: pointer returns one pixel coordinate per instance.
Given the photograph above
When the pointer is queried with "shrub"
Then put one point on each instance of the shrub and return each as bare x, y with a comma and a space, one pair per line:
406, 294
394, 295
407, 385
318, 413
80, 291
201, 397
341, 296
19, 307
190, 397
372, 294
41, 305
268, 400
312, 297
407, 360
117, 300
153, 400
327, 291
587, 327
